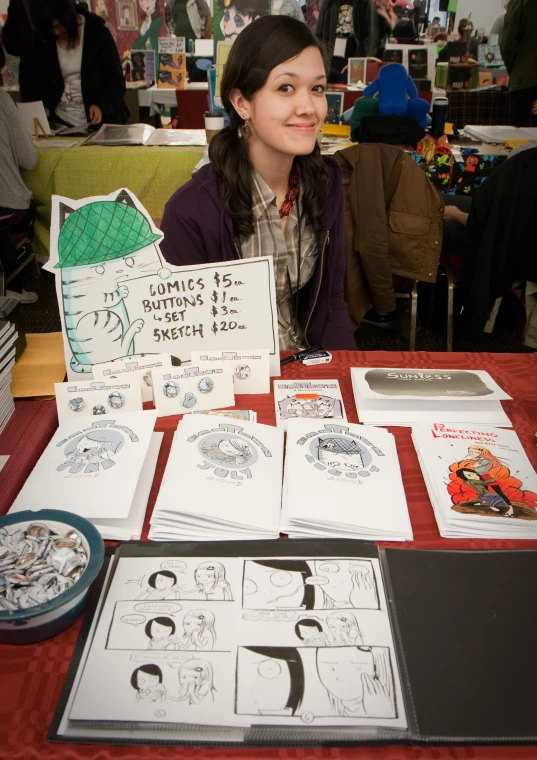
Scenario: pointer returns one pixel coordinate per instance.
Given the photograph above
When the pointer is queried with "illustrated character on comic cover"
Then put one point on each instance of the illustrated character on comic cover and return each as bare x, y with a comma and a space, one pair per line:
482, 483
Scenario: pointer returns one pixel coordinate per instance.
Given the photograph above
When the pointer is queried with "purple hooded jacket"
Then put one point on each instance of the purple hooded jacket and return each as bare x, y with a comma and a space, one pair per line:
197, 230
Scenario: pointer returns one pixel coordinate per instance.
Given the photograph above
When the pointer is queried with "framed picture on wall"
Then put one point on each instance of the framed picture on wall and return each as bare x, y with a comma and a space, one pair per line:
127, 15
335, 107
356, 71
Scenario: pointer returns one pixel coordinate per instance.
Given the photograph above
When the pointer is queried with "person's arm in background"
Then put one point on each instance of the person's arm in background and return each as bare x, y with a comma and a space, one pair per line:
510, 34
454, 214
25, 150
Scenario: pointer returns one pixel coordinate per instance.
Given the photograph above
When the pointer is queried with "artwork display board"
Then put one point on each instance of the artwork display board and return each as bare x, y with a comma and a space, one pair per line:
119, 298
338, 642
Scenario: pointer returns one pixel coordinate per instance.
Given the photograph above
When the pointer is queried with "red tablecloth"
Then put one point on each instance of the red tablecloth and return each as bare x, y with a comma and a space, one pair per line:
31, 676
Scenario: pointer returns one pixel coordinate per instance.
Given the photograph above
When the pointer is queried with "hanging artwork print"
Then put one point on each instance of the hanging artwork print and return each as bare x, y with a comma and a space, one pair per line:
230, 17
127, 18
119, 298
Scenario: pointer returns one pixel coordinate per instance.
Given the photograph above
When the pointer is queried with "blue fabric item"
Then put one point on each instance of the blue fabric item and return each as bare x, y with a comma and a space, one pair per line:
398, 95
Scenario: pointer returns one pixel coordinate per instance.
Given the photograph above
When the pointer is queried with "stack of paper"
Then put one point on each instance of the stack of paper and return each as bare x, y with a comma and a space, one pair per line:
343, 481
8, 336
480, 481
223, 481
100, 468
404, 397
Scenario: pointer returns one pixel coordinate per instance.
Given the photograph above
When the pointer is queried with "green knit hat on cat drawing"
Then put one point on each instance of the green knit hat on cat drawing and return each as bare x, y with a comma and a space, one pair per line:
102, 231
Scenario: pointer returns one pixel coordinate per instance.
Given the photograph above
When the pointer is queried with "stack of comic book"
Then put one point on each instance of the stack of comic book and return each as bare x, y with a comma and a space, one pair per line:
100, 467
223, 481
8, 336
343, 481
404, 397
480, 481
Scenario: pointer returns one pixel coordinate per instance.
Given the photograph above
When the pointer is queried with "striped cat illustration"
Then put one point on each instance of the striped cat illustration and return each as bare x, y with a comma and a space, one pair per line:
100, 247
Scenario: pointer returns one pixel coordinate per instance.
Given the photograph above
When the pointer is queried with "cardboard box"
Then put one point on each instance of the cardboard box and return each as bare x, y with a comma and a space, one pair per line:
462, 77
457, 52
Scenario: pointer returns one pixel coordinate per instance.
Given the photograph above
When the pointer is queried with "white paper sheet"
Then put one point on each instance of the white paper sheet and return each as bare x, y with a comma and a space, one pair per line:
345, 480
228, 475
91, 466
130, 528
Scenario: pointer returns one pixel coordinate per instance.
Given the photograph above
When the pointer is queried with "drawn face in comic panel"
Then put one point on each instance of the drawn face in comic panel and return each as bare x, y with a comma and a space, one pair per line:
270, 681
160, 632
358, 680
147, 683
211, 583
161, 584
278, 584
344, 583
228, 450
196, 682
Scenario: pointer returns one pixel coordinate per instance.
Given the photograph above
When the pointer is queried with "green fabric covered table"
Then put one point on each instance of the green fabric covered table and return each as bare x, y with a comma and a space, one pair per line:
152, 174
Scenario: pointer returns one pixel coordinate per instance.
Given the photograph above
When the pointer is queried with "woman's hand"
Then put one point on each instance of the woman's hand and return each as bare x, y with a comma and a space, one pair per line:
95, 114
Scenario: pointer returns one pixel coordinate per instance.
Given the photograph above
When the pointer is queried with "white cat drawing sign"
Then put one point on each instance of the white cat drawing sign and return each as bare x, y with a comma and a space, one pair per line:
100, 246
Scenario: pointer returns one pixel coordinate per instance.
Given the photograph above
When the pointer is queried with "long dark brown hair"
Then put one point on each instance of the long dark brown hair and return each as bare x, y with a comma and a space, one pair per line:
65, 13
259, 48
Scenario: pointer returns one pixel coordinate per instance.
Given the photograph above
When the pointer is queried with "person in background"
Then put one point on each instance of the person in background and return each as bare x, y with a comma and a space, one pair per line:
498, 24
17, 152
75, 67
384, 22
349, 21
463, 26
192, 20
267, 190
518, 44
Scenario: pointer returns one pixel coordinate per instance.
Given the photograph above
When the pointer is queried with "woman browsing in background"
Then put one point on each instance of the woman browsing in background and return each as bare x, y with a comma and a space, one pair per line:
17, 152
268, 191
77, 70
384, 22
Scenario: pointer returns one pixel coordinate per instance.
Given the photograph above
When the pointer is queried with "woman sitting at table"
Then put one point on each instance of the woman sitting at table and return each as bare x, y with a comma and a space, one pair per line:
267, 190
17, 212
77, 71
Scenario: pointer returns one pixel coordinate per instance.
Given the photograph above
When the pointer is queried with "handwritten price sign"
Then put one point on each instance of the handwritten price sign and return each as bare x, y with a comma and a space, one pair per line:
210, 307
